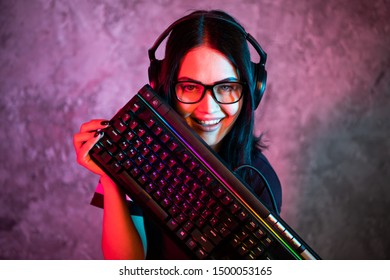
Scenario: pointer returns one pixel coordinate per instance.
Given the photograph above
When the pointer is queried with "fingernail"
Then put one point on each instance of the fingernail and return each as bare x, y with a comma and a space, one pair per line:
98, 132
105, 123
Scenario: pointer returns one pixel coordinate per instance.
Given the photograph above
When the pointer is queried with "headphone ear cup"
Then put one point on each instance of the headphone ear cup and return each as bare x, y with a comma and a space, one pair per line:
154, 72
260, 79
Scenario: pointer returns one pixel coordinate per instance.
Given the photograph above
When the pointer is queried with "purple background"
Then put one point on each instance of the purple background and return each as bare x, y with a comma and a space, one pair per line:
325, 114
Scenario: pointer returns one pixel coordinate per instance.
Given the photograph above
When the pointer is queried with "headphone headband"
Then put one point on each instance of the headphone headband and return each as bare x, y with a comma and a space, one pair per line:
248, 37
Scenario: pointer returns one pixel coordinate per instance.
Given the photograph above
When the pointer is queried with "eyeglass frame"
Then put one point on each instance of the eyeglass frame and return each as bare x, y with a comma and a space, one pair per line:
211, 89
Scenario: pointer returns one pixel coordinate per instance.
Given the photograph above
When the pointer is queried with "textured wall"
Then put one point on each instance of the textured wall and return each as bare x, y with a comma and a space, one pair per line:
326, 114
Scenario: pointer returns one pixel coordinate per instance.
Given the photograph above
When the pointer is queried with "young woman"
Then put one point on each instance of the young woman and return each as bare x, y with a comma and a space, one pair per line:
207, 75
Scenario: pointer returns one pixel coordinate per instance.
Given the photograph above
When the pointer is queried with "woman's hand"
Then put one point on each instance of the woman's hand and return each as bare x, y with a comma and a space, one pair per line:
121, 237
83, 141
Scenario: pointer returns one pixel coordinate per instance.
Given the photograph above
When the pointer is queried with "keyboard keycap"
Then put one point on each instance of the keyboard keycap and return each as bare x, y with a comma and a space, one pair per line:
211, 234
121, 127
202, 240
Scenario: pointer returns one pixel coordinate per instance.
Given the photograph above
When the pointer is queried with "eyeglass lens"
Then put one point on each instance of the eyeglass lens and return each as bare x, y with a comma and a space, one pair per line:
190, 92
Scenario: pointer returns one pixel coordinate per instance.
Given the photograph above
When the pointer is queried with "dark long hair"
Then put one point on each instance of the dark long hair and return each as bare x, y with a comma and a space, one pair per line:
222, 32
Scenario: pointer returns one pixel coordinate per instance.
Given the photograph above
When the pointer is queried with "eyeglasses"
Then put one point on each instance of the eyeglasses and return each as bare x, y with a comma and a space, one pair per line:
191, 92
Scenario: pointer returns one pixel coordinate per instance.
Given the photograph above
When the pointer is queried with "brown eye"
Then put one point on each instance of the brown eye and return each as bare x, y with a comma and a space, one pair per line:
187, 87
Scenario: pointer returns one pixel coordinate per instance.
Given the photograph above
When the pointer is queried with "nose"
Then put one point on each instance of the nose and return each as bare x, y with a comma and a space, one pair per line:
208, 104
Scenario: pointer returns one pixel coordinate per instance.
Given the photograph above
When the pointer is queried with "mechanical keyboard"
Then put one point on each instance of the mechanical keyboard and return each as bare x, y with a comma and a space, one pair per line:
186, 188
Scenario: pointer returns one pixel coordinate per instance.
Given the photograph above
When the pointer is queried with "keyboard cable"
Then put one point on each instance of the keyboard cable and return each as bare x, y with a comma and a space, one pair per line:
268, 187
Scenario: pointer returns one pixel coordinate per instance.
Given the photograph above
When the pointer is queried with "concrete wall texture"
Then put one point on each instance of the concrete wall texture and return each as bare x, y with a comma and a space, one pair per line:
325, 114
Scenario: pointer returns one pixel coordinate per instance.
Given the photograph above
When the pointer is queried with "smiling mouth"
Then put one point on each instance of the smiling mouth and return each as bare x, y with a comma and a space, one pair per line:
208, 122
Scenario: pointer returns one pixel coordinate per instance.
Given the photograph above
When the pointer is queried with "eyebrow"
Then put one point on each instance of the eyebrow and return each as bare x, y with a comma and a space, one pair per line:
187, 79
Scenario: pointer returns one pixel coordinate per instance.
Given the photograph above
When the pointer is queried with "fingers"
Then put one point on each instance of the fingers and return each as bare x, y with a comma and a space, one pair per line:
93, 125
83, 157
79, 139
84, 140
88, 131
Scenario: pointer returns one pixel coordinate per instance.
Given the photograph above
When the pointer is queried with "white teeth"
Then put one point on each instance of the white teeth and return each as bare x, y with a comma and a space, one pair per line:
210, 122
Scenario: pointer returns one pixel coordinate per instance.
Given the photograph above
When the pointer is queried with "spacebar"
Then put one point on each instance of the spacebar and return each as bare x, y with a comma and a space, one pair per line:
139, 195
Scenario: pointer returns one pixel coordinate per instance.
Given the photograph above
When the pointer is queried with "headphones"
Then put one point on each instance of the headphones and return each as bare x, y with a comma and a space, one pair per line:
259, 72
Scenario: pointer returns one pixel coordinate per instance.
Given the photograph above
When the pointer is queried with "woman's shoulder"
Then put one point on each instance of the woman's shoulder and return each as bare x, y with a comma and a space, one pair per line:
270, 177
261, 162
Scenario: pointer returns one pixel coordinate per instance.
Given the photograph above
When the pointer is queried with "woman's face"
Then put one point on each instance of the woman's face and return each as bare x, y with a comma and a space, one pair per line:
209, 119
